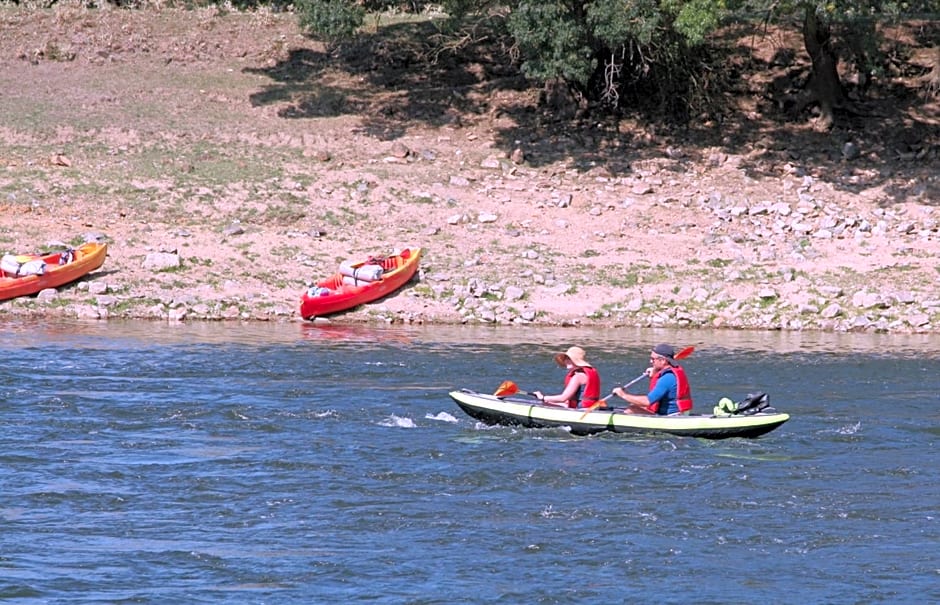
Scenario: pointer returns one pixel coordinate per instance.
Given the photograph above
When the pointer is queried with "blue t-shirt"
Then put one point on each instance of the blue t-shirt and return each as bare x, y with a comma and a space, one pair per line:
666, 393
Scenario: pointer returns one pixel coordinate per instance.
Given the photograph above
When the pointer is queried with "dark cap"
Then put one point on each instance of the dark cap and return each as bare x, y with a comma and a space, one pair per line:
666, 351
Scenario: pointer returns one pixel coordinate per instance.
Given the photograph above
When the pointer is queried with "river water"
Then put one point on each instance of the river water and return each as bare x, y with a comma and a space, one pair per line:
295, 463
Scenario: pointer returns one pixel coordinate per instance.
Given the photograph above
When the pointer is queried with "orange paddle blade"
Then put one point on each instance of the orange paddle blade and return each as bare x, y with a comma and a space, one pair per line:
684, 353
597, 404
507, 388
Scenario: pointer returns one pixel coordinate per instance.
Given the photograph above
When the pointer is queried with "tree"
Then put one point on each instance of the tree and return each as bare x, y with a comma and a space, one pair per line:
593, 52
594, 48
602, 48
831, 29
825, 85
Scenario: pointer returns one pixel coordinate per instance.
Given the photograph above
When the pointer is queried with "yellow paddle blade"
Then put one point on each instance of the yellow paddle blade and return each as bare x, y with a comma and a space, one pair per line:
507, 387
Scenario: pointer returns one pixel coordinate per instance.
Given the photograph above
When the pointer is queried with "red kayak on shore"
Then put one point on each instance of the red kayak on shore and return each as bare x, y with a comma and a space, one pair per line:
25, 274
360, 282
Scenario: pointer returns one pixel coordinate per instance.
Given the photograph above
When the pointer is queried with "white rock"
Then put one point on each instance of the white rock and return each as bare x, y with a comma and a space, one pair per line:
161, 261
97, 287
767, 293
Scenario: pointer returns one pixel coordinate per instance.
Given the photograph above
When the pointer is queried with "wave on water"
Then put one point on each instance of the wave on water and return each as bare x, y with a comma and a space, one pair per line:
442, 416
398, 421
851, 429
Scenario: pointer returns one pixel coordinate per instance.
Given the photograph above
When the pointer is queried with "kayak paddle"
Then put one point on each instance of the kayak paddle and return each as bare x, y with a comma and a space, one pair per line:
507, 388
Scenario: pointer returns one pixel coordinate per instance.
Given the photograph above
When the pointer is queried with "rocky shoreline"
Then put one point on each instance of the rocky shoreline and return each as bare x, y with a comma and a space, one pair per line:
803, 259
786, 235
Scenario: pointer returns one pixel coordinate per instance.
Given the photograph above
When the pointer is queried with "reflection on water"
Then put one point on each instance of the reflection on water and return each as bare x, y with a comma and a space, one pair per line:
355, 333
610, 340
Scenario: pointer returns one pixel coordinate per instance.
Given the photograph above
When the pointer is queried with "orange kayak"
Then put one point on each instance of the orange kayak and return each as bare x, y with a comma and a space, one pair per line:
25, 274
357, 283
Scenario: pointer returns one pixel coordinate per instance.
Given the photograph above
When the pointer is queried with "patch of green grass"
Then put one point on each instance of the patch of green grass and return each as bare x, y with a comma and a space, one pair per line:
203, 163
765, 302
284, 252
126, 305
891, 270
343, 218
56, 303
177, 284
423, 290
497, 245
249, 257
719, 263
285, 213
181, 268
746, 273
422, 199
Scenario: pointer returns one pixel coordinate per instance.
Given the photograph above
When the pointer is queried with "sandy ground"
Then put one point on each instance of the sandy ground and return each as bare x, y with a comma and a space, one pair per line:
237, 143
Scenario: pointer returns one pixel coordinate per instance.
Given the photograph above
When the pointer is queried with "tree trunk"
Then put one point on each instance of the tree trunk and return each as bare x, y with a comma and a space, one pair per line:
933, 78
824, 83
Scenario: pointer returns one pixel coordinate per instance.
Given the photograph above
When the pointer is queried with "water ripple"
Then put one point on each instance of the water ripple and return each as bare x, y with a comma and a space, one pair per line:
304, 464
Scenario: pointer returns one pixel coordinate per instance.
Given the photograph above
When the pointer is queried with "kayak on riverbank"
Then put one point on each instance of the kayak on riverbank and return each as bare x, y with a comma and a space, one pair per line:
360, 282
26, 274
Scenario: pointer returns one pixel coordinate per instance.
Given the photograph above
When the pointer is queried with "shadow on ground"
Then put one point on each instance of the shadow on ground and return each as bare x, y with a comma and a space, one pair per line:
394, 81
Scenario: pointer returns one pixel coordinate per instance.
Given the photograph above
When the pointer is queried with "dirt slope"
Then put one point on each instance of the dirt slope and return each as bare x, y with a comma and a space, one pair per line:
241, 145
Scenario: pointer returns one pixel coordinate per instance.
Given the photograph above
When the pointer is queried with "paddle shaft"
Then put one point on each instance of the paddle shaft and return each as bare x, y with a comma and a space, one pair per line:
626, 386
603, 401
680, 355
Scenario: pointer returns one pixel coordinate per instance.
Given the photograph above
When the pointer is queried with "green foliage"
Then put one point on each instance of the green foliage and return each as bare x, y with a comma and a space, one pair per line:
619, 52
337, 20
553, 42
331, 20
622, 53
697, 18
599, 47
459, 9
615, 23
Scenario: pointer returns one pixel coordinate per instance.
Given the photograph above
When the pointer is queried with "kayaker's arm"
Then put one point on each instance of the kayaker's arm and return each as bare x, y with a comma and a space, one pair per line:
571, 389
640, 403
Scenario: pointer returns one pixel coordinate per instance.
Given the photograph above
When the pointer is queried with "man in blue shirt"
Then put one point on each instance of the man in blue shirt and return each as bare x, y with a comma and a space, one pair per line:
663, 397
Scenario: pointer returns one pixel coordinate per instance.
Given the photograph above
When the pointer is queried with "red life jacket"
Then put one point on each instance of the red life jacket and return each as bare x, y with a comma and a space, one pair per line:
589, 393
683, 390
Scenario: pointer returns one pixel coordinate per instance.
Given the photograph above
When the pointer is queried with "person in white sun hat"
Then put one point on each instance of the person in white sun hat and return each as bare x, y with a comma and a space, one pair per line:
582, 382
